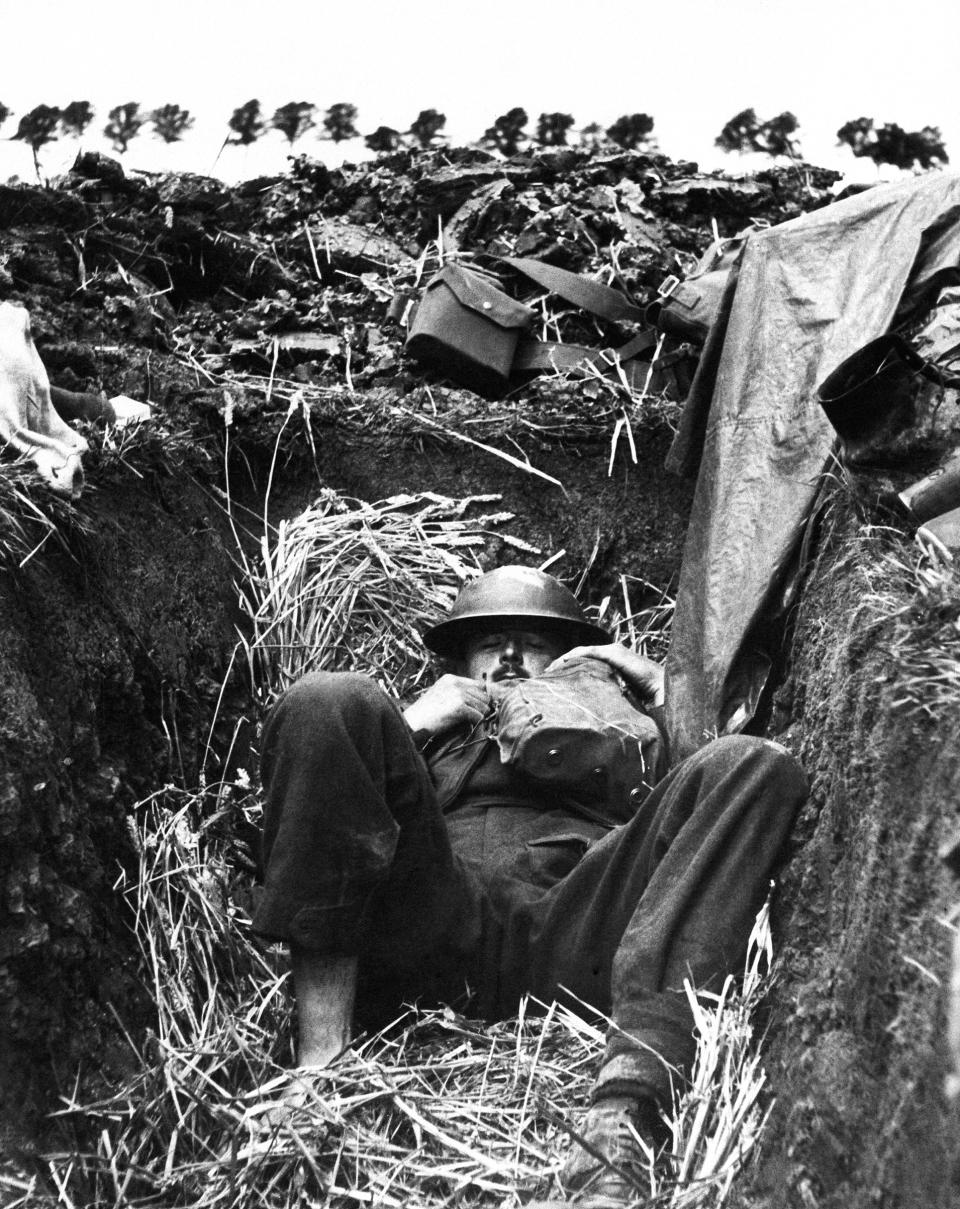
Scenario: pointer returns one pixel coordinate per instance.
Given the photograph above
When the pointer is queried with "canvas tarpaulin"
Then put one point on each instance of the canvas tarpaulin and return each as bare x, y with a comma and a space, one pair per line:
809, 293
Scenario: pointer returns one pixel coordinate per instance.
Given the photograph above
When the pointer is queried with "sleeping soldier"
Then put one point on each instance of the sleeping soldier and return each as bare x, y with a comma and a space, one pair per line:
404, 859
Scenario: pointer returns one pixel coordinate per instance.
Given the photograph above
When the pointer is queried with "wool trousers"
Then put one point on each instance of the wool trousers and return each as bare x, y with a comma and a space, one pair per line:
482, 905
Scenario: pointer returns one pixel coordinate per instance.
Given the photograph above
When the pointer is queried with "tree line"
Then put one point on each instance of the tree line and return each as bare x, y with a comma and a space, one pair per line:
886, 144
509, 133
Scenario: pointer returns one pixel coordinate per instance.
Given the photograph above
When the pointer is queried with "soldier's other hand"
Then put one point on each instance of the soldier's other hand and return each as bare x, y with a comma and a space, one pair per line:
643, 675
451, 701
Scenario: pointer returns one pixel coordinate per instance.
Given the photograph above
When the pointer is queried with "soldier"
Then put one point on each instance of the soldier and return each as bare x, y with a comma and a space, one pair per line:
403, 859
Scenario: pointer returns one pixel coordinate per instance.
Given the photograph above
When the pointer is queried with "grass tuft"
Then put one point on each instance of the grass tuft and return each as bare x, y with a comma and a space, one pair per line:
31, 515
911, 608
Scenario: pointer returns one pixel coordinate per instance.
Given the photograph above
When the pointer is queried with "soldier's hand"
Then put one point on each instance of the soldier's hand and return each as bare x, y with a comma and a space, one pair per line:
449, 702
643, 675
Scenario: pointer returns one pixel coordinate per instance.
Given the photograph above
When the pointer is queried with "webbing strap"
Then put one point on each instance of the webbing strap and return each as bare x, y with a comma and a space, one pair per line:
534, 355
581, 291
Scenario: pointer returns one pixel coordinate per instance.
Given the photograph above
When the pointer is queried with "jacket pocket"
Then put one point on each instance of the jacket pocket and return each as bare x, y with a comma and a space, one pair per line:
551, 857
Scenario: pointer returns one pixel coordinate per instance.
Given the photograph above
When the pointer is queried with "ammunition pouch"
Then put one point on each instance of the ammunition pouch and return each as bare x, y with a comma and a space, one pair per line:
467, 328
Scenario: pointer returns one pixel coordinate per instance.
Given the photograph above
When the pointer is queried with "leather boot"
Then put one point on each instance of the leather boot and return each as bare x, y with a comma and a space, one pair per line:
630, 1135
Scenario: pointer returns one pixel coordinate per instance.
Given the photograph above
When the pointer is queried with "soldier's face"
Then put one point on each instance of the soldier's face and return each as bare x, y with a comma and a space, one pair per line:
508, 655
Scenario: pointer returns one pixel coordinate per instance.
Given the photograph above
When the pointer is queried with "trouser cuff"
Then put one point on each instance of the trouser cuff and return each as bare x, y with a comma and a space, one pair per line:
336, 931
640, 1075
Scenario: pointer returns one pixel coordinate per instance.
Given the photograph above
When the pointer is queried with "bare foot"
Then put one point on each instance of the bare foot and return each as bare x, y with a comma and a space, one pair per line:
294, 1099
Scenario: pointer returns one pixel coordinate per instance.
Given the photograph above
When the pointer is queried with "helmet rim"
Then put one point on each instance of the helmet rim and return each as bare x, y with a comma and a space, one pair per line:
496, 598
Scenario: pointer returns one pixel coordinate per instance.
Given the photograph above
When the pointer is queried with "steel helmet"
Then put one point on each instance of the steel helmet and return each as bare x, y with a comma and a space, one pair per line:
512, 597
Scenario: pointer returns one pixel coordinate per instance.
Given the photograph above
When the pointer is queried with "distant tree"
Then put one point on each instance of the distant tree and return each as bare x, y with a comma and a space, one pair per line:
4, 113
631, 130
858, 135
740, 133
507, 131
124, 124
891, 144
745, 132
170, 122
592, 135
928, 148
293, 119
37, 128
777, 135
427, 127
384, 138
246, 124
340, 122
552, 129
76, 117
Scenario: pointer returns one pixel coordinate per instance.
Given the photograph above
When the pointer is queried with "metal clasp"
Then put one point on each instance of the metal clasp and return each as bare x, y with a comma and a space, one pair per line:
668, 285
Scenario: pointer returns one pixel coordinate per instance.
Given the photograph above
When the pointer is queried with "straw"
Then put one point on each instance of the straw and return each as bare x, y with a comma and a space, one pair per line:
437, 1110
346, 586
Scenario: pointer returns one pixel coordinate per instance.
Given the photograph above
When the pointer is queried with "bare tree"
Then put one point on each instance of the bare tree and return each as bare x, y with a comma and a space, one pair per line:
5, 112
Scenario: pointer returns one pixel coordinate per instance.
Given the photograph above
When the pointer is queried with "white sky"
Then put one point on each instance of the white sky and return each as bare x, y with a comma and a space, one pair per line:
690, 63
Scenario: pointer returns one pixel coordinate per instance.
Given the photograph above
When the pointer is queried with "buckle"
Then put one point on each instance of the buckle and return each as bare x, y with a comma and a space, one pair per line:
668, 285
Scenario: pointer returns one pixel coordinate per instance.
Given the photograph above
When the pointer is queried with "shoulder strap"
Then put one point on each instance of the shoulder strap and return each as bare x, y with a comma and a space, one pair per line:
534, 355
584, 292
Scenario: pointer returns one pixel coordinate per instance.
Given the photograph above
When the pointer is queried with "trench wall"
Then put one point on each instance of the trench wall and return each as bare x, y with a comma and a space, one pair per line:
857, 1051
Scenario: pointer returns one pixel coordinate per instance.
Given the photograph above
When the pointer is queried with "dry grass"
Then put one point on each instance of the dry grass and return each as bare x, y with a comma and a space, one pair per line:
438, 1110
555, 409
645, 629
342, 586
912, 609
32, 515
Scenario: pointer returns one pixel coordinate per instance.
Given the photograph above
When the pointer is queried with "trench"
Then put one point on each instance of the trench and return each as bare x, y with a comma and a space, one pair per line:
119, 675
